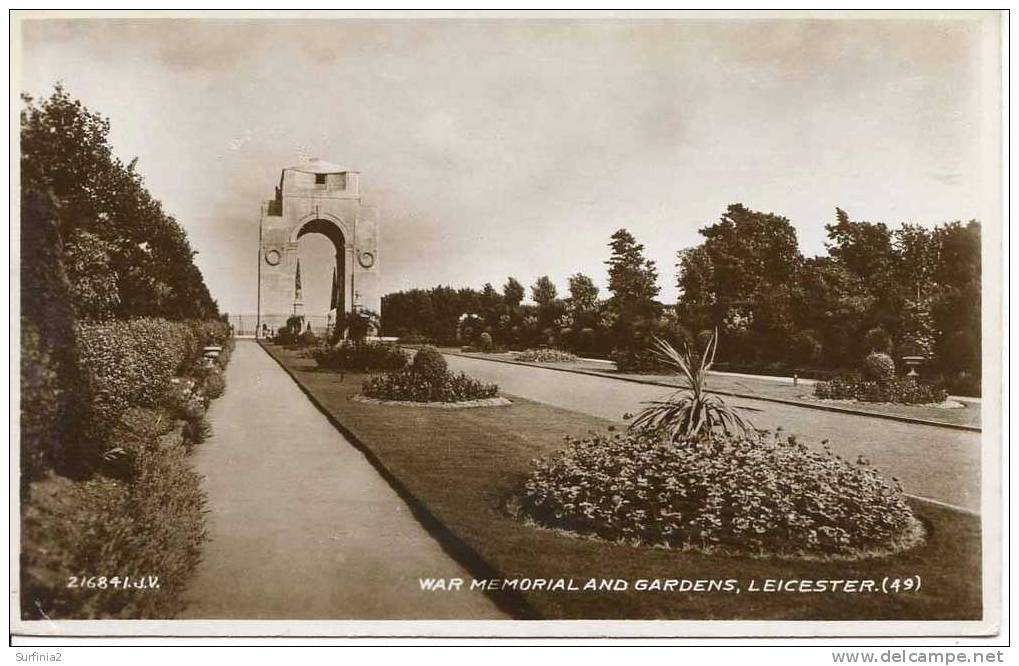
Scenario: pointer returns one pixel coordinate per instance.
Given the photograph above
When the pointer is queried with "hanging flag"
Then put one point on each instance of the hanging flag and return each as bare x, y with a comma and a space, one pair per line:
297, 282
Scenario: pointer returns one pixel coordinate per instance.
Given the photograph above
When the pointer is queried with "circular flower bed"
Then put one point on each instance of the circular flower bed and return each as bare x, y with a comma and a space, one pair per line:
427, 379
411, 386
730, 494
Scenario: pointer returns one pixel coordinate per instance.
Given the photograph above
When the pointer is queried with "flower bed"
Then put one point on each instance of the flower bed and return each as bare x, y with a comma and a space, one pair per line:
427, 380
461, 404
902, 390
544, 356
729, 494
410, 386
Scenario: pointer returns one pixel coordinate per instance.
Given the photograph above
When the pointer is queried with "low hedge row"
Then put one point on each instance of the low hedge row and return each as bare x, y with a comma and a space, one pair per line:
132, 362
150, 525
350, 356
140, 511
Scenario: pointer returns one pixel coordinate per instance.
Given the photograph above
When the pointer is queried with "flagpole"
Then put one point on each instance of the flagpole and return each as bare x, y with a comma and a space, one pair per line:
258, 306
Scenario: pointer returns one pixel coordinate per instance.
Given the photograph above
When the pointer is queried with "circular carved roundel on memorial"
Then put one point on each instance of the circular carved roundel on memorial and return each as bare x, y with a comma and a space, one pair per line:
366, 259
272, 257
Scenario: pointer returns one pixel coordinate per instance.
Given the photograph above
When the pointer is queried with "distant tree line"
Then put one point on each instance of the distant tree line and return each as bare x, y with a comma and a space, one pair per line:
908, 291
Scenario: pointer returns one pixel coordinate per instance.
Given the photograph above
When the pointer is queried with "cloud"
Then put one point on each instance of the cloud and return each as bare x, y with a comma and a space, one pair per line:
517, 147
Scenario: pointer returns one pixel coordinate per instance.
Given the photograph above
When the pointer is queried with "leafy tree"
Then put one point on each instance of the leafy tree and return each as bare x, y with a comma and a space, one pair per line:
632, 308
94, 283
866, 251
916, 252
513, 292
543, 292
144, 252
742, 279
863, 248
633, 279
583, 293
696, 284
956, 307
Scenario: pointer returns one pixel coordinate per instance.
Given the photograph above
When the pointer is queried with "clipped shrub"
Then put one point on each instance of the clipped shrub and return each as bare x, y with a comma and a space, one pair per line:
308, 338
153, 525
485, 341
430, 364
351, 356
187, 402
413, 386
545, 355
729, 494
879, 366
132, 362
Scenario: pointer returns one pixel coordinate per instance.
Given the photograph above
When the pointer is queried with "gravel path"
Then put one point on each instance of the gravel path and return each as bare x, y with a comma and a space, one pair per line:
301, 525
933, 462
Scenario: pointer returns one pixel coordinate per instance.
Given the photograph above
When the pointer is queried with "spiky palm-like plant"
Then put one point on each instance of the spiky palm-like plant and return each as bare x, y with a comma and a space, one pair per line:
691, 411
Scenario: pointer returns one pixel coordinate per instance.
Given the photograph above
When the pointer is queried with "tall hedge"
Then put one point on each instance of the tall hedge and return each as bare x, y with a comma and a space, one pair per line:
130, 363
54, 400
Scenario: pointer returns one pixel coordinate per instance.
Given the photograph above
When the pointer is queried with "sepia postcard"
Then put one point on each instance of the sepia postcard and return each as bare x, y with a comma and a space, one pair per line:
507, 324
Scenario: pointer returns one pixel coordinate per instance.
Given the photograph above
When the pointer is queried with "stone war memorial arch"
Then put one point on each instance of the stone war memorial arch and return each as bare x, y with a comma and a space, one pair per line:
323, 198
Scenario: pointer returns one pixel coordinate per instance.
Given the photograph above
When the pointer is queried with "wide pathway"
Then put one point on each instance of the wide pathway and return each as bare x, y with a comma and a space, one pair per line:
934, 462
301, 525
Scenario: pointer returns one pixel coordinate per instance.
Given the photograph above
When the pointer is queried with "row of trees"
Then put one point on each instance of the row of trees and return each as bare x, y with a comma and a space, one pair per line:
579, 321
124, 256
907, 291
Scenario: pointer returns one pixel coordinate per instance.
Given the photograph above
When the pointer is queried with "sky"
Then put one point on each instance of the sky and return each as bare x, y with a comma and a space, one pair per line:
516, 147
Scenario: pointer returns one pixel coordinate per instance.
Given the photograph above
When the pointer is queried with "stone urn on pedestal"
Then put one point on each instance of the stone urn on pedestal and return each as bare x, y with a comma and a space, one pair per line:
913, 362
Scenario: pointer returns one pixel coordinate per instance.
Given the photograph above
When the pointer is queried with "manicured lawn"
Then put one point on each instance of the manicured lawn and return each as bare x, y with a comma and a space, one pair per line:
461, 467
967, 415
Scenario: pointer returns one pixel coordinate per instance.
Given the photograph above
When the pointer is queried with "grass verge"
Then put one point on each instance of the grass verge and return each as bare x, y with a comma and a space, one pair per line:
460, 468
